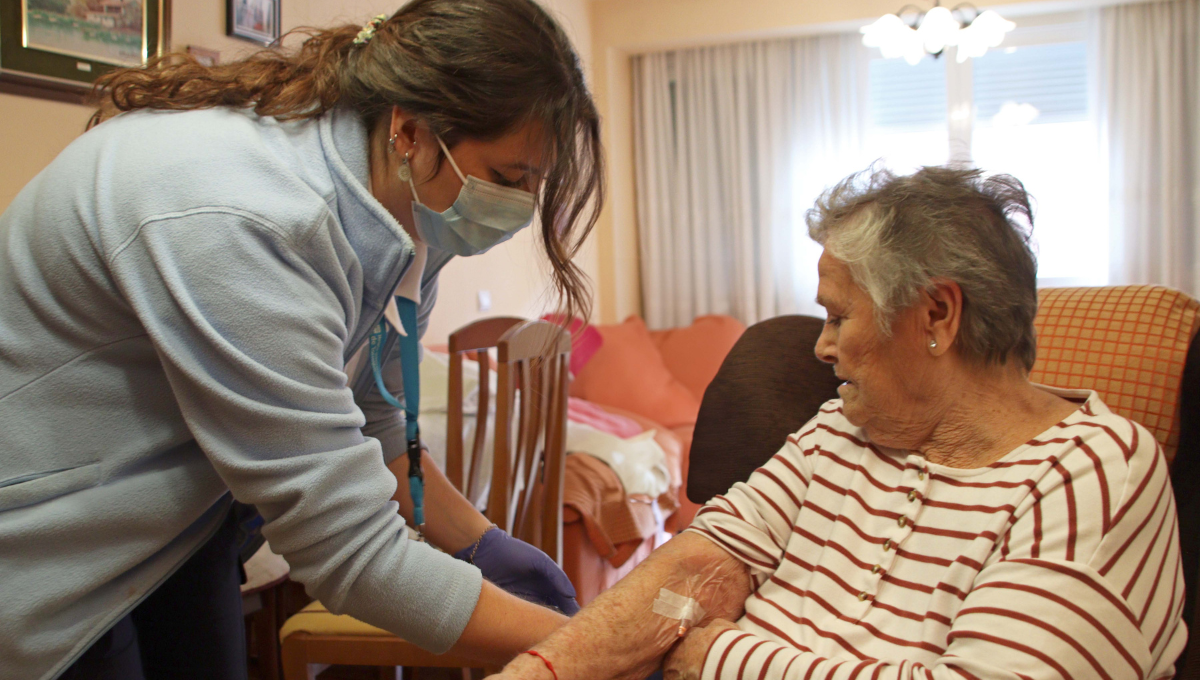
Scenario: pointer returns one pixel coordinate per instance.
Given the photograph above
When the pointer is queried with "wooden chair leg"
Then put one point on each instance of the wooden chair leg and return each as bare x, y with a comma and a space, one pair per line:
267, 631
295, 659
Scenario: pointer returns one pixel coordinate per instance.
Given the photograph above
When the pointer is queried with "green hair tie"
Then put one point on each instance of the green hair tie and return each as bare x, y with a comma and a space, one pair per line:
364, 36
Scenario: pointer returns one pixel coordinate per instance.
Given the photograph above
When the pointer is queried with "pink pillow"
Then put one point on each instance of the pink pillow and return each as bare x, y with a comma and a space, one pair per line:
585, 341
694, 353
628, 372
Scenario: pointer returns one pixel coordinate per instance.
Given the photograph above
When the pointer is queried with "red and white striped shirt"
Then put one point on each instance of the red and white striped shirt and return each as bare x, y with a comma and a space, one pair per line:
1059, 560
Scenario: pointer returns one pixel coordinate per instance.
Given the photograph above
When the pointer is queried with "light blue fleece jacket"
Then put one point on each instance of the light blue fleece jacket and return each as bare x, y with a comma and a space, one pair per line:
179, 293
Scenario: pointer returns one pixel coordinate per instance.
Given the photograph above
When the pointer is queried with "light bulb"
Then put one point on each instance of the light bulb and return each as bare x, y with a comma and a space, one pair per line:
882, 33
914, 52
893, 37
986, 30
938, 29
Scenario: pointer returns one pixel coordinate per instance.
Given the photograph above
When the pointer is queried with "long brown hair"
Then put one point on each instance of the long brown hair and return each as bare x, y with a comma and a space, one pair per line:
469, 68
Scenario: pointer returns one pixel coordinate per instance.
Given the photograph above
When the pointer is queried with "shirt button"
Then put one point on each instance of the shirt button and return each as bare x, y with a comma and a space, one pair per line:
921, 475
862, 597
887, 545
912, 495
903, 521
876, 569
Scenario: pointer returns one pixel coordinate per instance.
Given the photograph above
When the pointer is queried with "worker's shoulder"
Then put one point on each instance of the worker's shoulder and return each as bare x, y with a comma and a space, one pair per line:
158, 163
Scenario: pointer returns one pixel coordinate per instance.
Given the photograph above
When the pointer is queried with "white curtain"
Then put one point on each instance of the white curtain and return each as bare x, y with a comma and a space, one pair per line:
1149, 91
733, 144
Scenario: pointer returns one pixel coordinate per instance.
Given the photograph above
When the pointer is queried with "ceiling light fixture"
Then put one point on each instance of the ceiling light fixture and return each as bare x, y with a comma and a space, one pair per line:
911, 33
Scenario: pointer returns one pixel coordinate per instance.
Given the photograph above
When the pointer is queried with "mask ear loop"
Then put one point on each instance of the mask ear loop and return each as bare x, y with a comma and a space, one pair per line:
451, 159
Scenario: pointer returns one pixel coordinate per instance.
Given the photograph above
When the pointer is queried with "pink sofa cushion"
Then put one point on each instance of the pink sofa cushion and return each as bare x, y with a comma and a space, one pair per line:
629, 373
694, 353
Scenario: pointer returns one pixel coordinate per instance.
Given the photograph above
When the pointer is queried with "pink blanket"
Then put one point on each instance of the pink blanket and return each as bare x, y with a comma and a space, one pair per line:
586, 412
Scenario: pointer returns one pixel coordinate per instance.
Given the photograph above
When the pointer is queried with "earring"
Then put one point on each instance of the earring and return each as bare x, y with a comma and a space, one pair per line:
933, 344
405, 171
392, 144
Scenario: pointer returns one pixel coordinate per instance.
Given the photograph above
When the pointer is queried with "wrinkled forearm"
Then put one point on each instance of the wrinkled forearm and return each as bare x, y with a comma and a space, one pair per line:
619, 637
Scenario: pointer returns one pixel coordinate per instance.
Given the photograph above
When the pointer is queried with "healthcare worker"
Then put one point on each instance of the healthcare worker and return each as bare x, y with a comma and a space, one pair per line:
181, 292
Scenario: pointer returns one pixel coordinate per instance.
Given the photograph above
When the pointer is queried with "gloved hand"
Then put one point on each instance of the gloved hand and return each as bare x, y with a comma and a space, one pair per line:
521, 569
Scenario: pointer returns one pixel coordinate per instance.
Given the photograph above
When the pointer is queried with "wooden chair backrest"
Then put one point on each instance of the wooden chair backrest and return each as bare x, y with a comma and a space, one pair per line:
531, 434
475, 340
530, 431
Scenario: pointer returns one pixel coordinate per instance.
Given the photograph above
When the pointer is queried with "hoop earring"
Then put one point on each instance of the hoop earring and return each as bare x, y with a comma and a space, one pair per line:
405, 172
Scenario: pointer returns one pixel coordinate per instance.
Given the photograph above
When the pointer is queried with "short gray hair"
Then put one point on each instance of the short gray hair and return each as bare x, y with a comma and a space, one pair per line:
899, 232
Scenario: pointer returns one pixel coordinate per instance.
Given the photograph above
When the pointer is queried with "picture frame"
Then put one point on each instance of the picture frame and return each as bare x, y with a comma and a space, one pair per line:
56, 49
253, 20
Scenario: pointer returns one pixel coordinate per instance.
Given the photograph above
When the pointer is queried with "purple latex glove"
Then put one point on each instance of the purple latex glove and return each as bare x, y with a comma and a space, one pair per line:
523, 570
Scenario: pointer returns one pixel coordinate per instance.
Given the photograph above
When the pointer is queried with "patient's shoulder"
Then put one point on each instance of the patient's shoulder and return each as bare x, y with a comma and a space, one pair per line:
829, 421
829, 438
829, 430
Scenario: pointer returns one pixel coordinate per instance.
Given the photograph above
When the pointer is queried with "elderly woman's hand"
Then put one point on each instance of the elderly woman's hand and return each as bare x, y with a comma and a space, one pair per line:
686, 658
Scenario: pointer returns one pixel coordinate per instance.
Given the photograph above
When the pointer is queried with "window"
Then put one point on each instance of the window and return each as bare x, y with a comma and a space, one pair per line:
1022, 109
908, 124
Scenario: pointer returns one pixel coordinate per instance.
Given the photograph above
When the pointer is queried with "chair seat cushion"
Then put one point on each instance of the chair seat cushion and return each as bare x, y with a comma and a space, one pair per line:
315, 619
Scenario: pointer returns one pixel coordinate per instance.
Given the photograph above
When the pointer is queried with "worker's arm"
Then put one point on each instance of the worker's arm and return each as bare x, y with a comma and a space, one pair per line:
451, 522
249, 321
503, 626
454, 525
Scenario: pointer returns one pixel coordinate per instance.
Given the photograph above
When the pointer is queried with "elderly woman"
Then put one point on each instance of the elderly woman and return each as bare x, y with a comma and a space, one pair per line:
945, 517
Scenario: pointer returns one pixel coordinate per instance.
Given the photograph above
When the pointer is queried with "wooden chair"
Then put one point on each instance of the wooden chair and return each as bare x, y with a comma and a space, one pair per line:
528, 460
471, 342
530, 436
526, 489
1137, 346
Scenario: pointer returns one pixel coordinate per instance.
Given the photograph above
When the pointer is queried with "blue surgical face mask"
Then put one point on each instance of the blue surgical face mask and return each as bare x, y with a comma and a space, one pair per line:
483, 215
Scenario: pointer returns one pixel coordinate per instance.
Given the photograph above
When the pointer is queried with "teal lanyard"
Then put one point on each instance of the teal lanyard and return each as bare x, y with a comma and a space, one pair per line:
410, 374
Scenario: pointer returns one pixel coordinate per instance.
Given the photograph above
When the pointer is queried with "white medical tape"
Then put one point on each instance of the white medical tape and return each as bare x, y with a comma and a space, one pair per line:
676, 606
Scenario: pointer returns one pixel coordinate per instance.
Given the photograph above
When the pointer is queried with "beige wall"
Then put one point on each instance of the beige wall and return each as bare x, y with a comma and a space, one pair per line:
32, 134
35, 131
621, 28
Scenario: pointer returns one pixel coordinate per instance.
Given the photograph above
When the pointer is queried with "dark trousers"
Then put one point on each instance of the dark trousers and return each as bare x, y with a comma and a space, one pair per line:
191, 628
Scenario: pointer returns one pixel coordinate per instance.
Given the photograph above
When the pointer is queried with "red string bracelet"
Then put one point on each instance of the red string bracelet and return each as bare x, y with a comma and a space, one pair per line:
544, 660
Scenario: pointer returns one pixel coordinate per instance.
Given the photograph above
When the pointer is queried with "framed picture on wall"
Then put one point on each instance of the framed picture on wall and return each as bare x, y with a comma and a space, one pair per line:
253, 20
57, 48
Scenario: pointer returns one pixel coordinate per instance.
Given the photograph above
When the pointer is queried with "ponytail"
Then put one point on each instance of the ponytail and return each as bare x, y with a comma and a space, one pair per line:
286, 86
